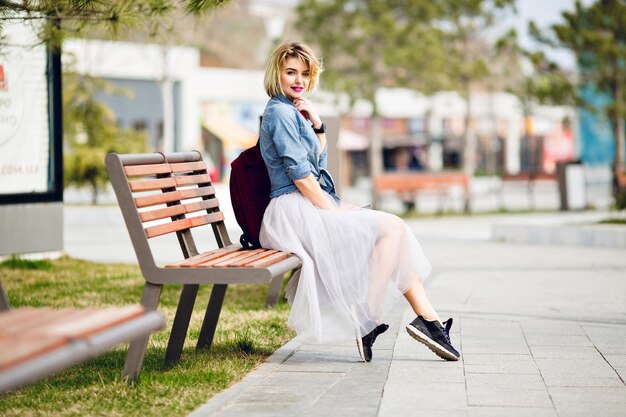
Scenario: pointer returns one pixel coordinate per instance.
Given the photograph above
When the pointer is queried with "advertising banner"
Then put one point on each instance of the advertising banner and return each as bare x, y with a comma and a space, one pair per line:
24, 110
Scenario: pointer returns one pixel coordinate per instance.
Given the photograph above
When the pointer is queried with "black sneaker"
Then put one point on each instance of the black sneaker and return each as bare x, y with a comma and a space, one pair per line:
364, 344
435, 336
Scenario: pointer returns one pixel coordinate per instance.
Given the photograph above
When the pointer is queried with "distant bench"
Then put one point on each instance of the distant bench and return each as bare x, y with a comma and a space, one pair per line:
38, 342
408, 184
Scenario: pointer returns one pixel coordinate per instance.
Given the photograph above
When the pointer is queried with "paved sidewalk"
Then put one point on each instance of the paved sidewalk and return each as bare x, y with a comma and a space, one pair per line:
542, 330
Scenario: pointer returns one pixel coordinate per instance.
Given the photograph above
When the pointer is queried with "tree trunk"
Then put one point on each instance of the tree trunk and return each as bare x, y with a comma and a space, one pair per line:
94, 194
167, 97
376, 148
469, 147
618, 127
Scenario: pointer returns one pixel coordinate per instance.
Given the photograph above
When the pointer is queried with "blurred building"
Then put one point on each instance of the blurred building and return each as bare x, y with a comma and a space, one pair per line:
183, 105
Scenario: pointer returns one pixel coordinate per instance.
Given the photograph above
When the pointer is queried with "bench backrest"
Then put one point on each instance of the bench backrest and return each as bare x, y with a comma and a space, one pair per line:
161, 194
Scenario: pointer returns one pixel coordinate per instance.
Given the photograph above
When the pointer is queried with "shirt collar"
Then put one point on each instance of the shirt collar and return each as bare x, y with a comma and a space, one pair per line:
283, 98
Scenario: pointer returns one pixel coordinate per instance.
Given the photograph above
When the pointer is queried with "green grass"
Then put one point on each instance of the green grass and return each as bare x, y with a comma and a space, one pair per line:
246, 334
613, 221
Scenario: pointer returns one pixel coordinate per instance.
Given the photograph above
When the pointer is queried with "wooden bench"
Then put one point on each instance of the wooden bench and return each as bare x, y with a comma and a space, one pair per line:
170, 194
38, 342
409, 184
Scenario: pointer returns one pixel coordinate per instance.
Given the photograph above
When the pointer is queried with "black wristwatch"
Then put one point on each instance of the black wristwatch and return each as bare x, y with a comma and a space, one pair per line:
321, 129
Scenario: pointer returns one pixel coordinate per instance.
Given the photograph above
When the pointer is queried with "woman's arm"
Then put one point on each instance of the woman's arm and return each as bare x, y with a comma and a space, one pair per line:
310, 188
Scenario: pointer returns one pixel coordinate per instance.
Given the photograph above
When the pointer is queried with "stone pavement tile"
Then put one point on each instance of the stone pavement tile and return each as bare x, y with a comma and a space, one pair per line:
484, 396
565, 352
301, 378
616, 361
335, 411
280, 394
505, 381
597, 368
312, 361
420, 372
551, 328
558, 340
515, 348
621, 371
557, 379
367, 397
588, 410
495, 359
261, 410
511, 412
401, 398
479, 327
610, 340
503, 368
600, 396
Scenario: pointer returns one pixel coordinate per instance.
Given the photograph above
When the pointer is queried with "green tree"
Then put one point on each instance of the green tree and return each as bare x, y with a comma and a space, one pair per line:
55, 20
366, 45
596, 34
466, 24
419, 44
91, 131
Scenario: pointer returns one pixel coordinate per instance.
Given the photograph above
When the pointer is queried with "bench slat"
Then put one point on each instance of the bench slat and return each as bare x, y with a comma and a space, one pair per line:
192, 179
242, 255
156, 199
39, 319
93, 321
15, 350
183, 224
147, 185
197, 192
243, 262
162, 213
188, 166
192, 260
211, 262
157, 214
268, 260
137, 170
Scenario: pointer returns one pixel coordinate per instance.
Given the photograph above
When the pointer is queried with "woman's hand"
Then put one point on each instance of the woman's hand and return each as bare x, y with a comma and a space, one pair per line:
305, 106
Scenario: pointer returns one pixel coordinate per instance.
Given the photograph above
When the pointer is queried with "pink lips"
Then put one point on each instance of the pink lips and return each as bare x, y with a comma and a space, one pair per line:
297, 89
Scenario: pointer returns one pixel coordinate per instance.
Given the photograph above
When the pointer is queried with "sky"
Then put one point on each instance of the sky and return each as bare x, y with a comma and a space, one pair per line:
544, 13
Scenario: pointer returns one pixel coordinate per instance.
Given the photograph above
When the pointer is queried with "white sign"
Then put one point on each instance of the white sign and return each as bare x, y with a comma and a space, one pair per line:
24, 126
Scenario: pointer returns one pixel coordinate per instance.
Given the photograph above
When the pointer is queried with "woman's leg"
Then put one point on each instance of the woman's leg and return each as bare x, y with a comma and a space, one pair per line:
417, 298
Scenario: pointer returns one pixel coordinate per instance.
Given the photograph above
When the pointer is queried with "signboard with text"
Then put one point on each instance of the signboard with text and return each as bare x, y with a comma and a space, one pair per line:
27, 139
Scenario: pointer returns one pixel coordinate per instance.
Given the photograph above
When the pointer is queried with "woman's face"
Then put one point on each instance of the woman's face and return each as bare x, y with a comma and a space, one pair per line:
294, 78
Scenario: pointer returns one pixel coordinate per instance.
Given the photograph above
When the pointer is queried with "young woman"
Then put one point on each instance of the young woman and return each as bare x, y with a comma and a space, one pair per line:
355, 261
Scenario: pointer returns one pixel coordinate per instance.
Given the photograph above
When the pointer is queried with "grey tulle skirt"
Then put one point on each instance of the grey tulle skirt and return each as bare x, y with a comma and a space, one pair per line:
355, 263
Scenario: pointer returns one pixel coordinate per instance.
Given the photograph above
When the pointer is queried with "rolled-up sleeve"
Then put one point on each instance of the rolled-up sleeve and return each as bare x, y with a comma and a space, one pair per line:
286, 136
323, 161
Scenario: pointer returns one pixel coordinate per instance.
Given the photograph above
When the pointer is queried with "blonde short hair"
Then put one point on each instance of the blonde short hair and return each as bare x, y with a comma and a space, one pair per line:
275, 65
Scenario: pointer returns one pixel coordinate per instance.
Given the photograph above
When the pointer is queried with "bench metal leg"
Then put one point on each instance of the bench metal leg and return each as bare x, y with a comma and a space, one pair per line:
211, 316
137, 348
274, 291
181, 324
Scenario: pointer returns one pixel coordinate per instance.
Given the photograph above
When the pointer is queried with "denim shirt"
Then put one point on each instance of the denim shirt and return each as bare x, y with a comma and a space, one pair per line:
291, 149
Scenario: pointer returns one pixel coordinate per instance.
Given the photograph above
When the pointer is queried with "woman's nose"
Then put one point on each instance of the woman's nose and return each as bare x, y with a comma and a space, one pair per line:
298, 78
